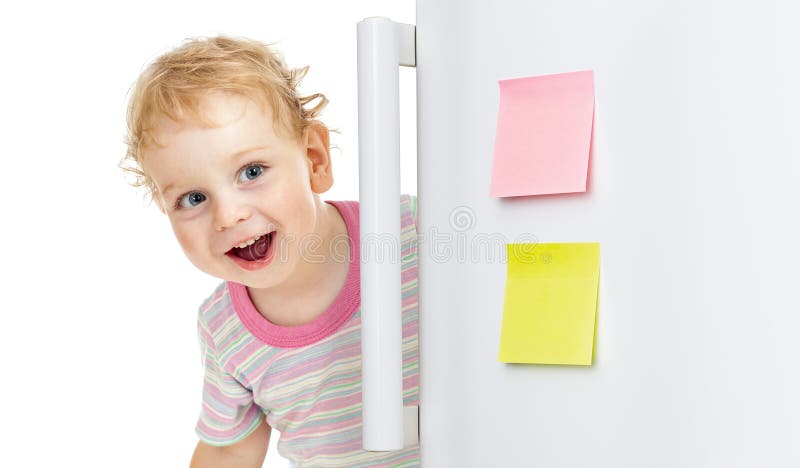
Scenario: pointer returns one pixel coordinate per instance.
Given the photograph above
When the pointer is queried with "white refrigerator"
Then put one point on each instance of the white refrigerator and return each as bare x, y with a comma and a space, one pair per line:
693, 191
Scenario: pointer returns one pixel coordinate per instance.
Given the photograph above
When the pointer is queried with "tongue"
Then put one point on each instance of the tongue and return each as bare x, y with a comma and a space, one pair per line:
256, 250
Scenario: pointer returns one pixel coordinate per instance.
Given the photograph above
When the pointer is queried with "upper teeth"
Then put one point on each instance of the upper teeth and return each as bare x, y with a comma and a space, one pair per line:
249, 242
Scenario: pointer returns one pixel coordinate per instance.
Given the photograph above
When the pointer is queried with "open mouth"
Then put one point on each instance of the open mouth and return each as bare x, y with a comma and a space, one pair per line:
255, 251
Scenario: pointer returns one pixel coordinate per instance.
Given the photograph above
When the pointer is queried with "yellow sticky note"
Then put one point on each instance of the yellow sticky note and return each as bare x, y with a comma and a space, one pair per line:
550, 303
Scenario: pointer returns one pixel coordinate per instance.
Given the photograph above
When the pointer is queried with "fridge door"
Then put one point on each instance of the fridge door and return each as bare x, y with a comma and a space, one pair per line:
693, 197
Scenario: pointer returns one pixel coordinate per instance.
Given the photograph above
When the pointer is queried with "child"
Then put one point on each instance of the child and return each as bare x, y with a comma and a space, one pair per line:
222, 142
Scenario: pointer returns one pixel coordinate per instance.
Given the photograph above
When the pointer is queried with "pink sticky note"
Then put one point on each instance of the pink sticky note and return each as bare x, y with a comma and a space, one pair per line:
544, 130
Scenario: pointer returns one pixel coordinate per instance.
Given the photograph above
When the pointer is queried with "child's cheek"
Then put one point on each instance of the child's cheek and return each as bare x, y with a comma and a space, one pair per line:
189, 242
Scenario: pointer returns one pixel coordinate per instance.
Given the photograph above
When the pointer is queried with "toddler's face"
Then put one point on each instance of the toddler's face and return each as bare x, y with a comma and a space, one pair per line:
224, 185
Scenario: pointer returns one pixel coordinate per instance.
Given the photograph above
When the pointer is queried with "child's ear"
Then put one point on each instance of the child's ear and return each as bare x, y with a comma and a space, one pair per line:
316, 138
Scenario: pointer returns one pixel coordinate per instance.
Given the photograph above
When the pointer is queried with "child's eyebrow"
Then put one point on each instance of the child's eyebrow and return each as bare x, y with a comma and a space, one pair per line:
232, 158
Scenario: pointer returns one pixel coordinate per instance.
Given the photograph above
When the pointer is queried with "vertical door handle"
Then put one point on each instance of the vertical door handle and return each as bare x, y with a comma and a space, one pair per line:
383, 46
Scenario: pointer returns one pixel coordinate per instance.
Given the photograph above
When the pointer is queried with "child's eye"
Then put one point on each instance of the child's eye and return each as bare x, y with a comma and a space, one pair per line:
252, 171
194, 198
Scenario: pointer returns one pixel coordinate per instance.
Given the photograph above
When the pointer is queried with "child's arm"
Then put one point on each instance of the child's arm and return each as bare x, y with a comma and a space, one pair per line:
247, 453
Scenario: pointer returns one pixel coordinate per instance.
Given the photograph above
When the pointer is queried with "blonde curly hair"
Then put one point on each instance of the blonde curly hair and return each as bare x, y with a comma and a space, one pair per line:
172, 86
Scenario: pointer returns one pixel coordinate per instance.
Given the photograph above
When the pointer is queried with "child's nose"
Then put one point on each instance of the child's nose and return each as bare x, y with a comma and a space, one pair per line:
228, 214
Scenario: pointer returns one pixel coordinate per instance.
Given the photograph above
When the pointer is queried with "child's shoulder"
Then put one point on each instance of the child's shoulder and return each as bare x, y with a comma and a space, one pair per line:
408, 200
408, 204
215, 303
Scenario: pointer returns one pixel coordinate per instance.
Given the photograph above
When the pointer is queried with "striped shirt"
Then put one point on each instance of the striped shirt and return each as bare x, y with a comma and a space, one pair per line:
305, 379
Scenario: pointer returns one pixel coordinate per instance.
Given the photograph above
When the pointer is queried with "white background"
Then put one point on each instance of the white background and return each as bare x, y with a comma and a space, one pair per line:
101, 364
